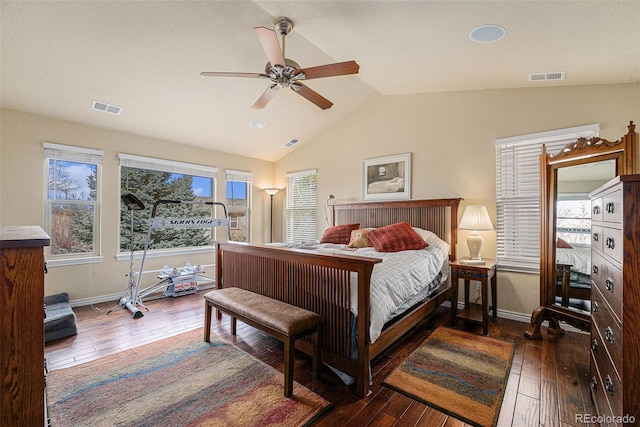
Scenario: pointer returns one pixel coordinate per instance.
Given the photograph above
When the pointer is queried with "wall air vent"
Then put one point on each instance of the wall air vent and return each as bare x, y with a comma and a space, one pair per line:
538, 77
106, 107
291, 143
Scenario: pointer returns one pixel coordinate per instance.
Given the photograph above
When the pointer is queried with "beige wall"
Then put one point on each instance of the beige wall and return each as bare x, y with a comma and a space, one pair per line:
22, 193
452, 139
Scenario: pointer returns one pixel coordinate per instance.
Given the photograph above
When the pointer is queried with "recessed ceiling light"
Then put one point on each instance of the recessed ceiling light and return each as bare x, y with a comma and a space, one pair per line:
487, 33
257, 124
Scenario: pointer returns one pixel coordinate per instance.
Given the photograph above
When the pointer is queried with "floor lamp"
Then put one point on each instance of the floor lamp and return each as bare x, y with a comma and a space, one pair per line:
271, 192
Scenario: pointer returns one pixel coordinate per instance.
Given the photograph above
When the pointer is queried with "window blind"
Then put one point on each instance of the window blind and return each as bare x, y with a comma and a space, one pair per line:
169, 166
518, 193
233, 175
72, 154
301, 206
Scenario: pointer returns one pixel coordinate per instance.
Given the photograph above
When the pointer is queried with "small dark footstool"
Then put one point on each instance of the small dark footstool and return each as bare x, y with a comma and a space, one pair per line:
59, 318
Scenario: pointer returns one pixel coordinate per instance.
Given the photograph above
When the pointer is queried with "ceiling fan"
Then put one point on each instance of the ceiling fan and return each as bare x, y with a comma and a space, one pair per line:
285, 72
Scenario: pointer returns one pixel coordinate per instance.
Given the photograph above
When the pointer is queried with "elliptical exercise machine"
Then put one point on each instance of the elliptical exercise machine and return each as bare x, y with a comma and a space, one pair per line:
179, 281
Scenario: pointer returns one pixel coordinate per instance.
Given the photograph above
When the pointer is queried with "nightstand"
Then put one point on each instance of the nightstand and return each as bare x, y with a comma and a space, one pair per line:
483, 274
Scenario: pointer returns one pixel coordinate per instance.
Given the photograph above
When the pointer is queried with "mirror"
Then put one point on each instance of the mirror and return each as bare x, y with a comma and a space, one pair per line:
566, 179
573, 231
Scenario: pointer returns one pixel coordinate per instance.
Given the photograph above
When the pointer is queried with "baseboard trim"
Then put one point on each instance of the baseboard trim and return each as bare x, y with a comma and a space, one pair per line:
114, 298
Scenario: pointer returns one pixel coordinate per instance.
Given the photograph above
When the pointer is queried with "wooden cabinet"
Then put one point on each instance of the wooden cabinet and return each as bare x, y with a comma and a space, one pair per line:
615, 301
22, 326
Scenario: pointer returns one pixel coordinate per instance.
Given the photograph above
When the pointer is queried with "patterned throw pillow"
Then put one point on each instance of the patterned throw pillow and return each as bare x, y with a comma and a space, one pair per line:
396, 237
359, 238
340, 234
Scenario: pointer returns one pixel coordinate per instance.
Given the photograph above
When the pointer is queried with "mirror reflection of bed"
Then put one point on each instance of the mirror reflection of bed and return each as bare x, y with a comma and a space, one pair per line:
573, 231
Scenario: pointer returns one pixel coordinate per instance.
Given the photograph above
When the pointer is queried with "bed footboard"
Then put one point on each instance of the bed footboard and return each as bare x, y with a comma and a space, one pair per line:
316, 282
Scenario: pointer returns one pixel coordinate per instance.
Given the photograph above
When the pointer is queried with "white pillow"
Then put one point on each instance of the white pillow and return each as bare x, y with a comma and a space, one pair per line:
432, 239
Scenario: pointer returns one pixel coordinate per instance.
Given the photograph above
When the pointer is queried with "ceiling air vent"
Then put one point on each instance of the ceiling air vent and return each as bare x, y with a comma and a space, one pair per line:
106, 107
291, 143
538, 77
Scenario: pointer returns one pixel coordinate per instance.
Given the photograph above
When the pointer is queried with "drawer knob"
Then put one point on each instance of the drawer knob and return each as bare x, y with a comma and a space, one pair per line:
609, 207
596, 210
594, 345
594, 383
608, 334
595, 237
594, 269
608, 385
609, 285
610, 243
595, 307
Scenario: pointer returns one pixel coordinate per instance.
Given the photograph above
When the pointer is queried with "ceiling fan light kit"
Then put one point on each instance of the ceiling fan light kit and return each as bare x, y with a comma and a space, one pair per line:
286, 73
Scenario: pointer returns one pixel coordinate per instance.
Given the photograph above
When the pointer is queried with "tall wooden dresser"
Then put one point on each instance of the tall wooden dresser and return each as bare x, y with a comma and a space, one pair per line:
22, 326
615, 301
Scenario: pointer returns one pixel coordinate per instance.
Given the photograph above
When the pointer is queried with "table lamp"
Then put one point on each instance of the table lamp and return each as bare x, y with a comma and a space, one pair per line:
475, 218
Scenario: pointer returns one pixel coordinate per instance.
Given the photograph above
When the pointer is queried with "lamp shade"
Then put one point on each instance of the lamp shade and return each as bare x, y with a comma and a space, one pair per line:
271, 191
476, 218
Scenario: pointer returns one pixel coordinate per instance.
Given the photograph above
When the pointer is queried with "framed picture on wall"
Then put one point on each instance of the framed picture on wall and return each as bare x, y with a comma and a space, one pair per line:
387, 178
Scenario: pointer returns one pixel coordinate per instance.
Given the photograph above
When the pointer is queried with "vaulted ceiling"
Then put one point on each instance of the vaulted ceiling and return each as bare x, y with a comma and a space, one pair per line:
146, 56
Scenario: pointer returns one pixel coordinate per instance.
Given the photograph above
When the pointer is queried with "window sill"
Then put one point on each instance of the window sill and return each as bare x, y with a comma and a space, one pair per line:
518, 267
161, 253
63, 262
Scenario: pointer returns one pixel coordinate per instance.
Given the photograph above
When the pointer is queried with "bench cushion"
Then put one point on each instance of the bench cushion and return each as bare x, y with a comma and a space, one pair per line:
274, 314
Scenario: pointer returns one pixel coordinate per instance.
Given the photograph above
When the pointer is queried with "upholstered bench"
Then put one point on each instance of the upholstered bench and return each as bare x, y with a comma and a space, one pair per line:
280, 320
59, 318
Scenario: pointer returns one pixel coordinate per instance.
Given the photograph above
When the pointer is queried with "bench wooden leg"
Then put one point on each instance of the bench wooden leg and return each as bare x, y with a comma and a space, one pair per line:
234, 325
315, 361
289, 353
207, 322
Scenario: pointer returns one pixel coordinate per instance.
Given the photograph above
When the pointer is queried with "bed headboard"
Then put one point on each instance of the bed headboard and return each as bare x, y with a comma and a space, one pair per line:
437, 215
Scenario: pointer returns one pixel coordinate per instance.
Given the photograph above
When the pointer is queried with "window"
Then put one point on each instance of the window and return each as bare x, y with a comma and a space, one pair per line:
72, 214
238, 195
573, 218
518, 194
301, 206
151, 180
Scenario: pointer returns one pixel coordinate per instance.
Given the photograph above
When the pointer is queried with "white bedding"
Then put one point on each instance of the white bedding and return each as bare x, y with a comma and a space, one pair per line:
579, 257
397, 278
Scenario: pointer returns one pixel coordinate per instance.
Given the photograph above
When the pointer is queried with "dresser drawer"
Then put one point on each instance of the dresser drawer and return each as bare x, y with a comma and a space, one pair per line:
597, 237
612, 243
605, 329
596, 209
612, 207
598, 393
607, 278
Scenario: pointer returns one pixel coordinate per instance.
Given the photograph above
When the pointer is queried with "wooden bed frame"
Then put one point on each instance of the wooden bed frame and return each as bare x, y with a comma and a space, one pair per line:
321, 282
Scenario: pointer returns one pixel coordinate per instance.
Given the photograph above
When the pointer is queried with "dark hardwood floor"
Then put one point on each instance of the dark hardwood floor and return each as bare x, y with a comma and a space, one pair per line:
548, 383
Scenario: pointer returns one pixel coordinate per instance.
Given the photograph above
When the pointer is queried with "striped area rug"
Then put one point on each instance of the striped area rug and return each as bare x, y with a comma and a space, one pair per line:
179, 381
459, 373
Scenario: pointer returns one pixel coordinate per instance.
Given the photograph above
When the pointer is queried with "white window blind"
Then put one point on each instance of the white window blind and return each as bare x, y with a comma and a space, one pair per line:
169, 166
301, 206
233, 175
518, 193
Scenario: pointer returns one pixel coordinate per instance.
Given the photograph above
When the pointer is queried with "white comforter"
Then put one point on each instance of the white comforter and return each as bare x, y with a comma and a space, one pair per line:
398, 277
579, 257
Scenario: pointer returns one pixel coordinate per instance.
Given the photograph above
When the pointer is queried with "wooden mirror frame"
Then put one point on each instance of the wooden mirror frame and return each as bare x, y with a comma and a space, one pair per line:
582, 151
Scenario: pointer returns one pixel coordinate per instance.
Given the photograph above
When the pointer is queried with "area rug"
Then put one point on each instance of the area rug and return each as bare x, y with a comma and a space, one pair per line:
459, 373
179, 381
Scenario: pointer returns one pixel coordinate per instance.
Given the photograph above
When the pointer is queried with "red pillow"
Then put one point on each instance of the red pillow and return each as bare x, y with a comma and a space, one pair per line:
395, 238
563, 244
340, 234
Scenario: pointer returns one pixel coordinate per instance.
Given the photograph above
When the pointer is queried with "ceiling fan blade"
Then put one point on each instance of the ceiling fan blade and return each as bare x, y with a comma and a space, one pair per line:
266, 96
330, 70
270, 45
311, 95
225, 74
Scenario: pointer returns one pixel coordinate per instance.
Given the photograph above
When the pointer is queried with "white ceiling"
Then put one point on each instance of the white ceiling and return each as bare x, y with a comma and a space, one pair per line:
146, 56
